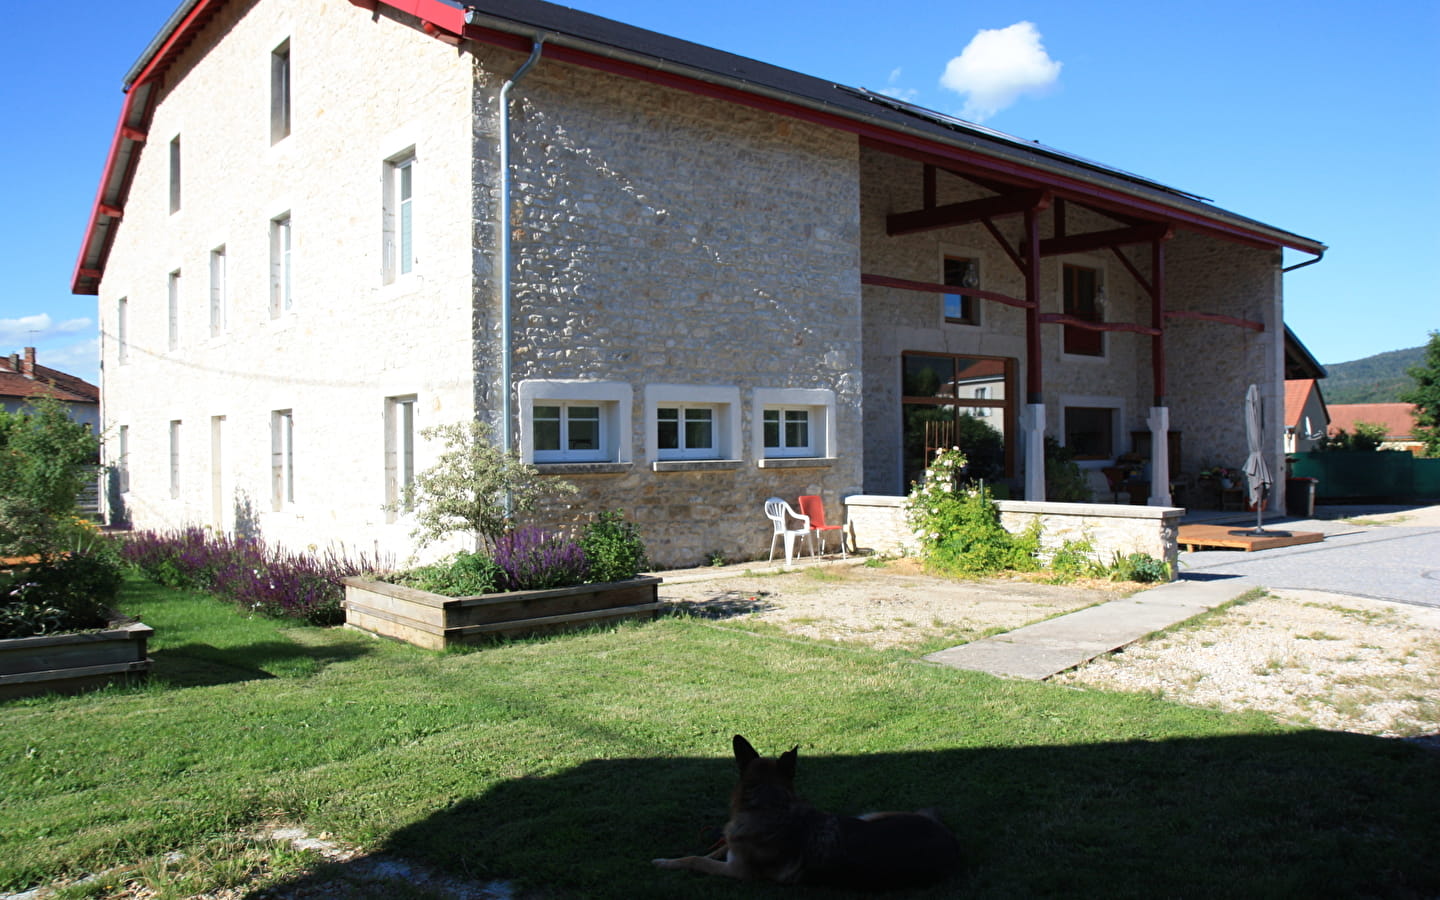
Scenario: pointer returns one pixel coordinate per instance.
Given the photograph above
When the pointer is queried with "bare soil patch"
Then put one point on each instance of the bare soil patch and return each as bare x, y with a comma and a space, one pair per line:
897, 606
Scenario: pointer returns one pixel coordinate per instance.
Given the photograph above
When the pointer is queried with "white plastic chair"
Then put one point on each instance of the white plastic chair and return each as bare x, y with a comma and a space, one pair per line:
780, 515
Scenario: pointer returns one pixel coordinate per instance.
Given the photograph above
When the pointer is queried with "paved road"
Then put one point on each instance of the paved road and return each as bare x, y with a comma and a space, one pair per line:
1384, 553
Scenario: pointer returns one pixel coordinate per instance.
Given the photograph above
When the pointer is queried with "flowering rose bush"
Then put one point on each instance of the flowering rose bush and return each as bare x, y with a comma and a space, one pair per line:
959, 526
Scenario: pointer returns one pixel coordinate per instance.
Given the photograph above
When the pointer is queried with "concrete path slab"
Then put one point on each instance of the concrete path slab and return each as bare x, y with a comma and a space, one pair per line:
1050, 647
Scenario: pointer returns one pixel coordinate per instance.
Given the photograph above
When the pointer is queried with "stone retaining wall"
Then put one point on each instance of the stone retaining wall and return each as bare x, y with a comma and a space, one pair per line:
877, 523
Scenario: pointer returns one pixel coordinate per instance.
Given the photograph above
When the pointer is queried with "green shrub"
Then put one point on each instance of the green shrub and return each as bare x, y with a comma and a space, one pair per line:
1073, 560
462, 575
70, 592
959, 528
1064, 479
613, 548
1140, 567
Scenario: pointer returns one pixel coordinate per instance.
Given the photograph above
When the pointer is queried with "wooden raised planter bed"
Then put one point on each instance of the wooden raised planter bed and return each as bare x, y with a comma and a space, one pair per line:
435, 622
65, 663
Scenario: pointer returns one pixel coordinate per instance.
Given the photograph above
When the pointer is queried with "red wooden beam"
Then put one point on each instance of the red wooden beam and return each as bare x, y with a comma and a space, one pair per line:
926, 287
1010, 251
133, 134
1061, 319
1215, 317
106, 209
966, 212
1099, 240
1135, 272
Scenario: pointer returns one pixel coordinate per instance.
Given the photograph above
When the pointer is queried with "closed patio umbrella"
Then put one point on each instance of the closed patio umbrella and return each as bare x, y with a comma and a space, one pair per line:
1257, 472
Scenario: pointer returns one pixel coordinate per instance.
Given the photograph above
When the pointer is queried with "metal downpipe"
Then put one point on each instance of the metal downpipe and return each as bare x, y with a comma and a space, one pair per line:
507, 339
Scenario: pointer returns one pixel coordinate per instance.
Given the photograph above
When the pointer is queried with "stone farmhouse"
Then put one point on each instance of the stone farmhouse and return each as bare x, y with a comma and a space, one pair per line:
684, 280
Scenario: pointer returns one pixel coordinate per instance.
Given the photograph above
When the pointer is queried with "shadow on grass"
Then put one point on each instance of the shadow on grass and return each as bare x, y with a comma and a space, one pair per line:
201, 665
1292, 815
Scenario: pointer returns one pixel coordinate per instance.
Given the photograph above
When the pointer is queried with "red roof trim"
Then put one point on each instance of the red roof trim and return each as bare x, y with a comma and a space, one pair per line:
452, 19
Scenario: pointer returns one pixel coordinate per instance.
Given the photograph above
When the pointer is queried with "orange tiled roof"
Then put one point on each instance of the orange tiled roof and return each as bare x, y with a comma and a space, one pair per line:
46, 382
1395, 417
1296, 392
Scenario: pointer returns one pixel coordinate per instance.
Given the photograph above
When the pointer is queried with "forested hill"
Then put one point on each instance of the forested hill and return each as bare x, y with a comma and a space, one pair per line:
1374, 379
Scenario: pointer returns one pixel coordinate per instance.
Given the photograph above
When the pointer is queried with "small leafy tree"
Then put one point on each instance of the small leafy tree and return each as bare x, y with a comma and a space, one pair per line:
468, 487
44, 456
959, 527
1367, 438
1426, 396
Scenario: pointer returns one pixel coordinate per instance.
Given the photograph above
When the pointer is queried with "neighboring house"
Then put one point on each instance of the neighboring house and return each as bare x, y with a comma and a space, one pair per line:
1398, 420
22, 379
1306, 416
714, 281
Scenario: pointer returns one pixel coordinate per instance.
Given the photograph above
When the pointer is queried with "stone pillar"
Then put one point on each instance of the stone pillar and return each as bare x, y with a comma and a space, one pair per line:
1159, 422
1034, 428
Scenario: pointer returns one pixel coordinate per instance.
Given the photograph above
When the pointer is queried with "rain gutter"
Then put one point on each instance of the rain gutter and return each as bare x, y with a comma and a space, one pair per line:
506, 328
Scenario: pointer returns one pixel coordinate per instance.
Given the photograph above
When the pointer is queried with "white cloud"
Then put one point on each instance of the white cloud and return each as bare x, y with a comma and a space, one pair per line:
997, 67
892, 88
29, 330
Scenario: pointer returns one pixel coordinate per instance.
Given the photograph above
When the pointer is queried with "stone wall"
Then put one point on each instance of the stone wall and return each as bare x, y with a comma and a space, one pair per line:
878, 523
668, 245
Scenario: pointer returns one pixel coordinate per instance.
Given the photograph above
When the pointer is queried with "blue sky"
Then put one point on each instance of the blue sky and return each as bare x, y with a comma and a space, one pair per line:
1319, 118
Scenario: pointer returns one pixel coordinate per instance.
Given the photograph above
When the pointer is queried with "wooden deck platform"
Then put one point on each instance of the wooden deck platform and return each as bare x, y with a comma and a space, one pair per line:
1237, 537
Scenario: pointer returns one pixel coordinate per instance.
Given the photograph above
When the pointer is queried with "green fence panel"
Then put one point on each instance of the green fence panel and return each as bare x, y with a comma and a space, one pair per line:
1427, 478
1379, 475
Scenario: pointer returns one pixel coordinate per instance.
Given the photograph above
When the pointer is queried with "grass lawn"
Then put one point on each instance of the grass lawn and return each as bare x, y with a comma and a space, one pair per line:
568, 763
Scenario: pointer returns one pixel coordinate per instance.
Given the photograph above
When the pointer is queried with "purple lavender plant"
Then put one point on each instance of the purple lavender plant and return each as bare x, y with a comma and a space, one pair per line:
532, 558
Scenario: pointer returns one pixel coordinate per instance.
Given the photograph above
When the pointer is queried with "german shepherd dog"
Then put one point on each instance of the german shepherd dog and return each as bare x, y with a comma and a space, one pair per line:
774, 835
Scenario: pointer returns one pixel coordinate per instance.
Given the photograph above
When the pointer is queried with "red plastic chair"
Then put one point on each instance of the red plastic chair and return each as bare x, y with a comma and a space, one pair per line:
811, 507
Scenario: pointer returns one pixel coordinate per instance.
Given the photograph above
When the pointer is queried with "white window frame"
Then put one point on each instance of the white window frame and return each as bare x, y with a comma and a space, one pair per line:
172, 289
282, 459
819, 402
280, 109
122, 330
1117, 423
218, 300
1102, 283
175, 174
615, 400
970, 253
722, 400
175, 459
399, 453
282, 265
399, 246
122, 460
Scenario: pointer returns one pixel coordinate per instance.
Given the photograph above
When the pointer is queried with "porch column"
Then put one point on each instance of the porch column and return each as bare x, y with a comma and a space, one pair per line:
1159, 419
1034, 425
1159, 422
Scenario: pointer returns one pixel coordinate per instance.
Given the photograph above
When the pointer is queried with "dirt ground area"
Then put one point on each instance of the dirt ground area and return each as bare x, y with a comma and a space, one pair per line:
894, 606
1324, 660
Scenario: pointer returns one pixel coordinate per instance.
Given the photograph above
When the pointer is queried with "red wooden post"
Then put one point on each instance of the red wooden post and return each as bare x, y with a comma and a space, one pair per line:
1033, 375
1157, 320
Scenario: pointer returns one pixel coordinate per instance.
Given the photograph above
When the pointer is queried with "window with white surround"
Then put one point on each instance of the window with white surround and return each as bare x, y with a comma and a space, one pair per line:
175, 174
399, 453
793, 423
122, 461
175, 459
122, 330
1091, 426
574, 421
282, 459
173, 301
282, 262
960, 269
217, 292
689, 422
217, 471
399, 216
280, 93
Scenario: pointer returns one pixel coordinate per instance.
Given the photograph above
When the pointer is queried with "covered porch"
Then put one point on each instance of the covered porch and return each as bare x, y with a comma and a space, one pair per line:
1112, 318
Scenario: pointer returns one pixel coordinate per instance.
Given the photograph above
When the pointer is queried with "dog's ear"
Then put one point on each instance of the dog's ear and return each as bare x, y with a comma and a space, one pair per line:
787, 762
744, 753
